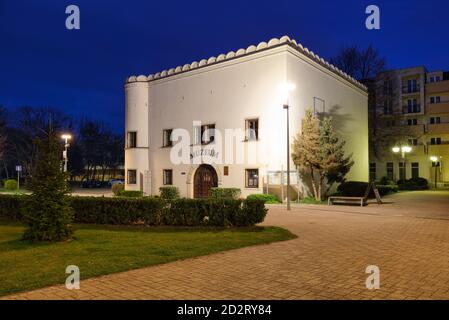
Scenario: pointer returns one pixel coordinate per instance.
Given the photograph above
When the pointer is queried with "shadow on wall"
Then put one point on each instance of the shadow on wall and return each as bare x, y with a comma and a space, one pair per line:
340, 120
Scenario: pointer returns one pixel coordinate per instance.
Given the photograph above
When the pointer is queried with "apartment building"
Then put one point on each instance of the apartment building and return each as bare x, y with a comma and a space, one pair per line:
409, 125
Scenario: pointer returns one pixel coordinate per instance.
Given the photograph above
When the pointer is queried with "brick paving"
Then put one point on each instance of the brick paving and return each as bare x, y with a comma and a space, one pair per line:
326, 261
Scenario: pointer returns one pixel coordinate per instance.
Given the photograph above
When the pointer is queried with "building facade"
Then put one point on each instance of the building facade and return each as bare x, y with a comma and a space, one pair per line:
410, 108
231, 108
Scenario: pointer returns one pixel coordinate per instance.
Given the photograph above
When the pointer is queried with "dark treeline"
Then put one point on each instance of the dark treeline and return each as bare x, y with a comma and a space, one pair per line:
95, 151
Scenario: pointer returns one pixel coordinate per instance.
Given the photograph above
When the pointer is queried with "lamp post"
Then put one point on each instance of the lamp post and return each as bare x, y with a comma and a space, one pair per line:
403, 150
66, 138
435, 164
285, 90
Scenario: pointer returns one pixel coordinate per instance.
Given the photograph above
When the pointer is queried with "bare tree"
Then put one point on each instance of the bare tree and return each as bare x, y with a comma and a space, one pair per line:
361, 64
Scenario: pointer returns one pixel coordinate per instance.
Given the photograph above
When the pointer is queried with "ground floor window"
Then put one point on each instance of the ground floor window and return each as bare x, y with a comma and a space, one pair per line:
390, 170
132, 176
415, 170
401, 170
168, 177
372, 171
252, 178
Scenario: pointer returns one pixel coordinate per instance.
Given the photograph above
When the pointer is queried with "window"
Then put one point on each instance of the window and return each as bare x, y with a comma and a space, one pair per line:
166, 139
372, 171
252, 129
168, 177
413, 142
252, 178
412, 122
435, 140
131, 139
436, 99
412, 85
415, 170
132, 176
437, 78
207, 133
435, 120
390, 170
401, 170
226, 170
413, 106
432, 79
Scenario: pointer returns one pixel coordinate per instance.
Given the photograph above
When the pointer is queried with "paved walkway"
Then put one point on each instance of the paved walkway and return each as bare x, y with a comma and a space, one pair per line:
326, 261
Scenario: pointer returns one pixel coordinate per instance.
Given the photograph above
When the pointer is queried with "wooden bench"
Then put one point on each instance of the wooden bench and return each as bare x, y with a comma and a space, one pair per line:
338, 199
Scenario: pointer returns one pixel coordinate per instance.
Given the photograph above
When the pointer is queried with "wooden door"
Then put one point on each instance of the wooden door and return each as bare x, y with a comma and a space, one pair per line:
205, 178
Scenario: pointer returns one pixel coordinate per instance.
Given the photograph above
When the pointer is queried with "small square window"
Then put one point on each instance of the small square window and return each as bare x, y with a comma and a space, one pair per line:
131, 139
252, 129
168, 177
252, 178
132, 177
166, 139
207, 133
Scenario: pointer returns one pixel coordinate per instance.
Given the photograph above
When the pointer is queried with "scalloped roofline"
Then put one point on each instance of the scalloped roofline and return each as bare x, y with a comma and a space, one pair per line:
274, 42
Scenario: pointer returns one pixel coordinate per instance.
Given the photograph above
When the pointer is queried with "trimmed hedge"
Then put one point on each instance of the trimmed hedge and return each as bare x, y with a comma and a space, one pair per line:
413, 184
267, 198
358, 189
169, 192
10, 184
154, 211
225, 193
130, 193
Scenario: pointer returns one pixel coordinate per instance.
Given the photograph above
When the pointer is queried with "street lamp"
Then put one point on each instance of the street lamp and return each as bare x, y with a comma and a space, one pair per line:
66, 138
285, 90
435, 164
403, 150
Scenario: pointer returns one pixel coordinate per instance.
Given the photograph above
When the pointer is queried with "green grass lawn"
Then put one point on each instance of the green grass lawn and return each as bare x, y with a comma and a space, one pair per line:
99, 250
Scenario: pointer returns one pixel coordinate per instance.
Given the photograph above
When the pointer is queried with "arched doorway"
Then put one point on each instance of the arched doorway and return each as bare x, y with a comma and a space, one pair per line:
205, 178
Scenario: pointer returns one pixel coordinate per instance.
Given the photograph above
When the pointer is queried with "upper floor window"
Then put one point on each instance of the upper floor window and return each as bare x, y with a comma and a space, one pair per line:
436, 99
252, 129
435, 140
131, 139
435, 120
413, 142
412, 122
166, 138
206, 134
432, 79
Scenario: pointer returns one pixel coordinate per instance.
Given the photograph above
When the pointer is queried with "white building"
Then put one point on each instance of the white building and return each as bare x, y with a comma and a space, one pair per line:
237, 90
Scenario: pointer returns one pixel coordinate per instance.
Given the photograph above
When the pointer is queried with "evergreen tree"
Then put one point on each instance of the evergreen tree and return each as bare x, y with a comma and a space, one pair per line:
47, 210
306, 151
335, 164
319, 154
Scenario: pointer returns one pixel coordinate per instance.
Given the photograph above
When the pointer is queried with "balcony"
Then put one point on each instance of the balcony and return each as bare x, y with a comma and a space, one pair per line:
437, 108
411, 109
438, 128
437, 87
438, 149
418, 150
411, 89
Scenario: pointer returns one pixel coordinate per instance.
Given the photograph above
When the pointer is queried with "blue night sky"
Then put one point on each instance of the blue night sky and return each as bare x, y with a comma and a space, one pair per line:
83, 71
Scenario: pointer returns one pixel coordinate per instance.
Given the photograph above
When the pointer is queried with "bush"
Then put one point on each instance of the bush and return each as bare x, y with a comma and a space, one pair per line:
352, 188
358, 189
130, 193
11, 184
267, 198
117, 188
413, 184
385, 181
169, 193
225, 193
10, 207
153, 211
310, 200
